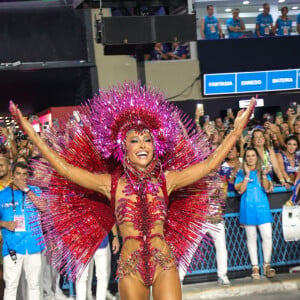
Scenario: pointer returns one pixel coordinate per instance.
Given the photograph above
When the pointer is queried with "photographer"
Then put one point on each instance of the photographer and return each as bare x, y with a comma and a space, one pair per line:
20, 231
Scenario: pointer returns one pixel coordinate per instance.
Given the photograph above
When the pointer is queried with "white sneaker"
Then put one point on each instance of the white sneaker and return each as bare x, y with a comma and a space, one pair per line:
224, 281
110, 296
61, 297
48, 297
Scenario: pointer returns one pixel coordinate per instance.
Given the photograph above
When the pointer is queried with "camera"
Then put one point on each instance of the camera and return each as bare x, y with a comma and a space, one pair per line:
20, 135
13, 254
293, 106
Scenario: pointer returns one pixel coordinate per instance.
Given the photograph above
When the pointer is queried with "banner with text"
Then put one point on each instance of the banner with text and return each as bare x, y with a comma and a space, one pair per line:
249, 82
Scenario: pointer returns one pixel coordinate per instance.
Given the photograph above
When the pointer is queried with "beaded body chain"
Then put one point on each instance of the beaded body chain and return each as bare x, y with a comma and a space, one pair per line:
143, 213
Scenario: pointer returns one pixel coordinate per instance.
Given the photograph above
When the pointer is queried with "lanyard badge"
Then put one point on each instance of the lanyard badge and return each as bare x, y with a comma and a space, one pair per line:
19, 218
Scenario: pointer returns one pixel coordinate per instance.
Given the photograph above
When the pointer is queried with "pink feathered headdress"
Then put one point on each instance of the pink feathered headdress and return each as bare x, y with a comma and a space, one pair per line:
131, 106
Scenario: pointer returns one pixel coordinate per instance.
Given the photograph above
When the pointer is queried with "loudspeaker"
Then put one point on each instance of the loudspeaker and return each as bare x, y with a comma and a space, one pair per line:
148, 30
181, 28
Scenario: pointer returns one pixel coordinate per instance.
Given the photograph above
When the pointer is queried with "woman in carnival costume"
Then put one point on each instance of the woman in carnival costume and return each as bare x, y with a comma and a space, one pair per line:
132, 159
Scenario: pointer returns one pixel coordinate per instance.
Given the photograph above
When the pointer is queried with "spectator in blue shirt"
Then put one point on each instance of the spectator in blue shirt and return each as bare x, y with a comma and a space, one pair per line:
283, 24
20, 232
264, 22
298, 23
178, 51
159, 52
210, 27
235, 25
231, 166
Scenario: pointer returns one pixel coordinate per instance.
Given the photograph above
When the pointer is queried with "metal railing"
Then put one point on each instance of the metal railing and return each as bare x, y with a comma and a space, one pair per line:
284, 253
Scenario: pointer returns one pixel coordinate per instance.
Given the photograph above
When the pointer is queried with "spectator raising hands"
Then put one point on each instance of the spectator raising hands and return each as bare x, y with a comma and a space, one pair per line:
253, 182
267, 154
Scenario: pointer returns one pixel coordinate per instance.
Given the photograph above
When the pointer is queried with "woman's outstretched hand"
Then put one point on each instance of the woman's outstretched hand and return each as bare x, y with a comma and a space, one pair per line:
243, 116
77, 175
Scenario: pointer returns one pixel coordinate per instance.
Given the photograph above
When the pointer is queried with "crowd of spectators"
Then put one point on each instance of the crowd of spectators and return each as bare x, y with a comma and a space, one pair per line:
210, 27
165, 51
267, 154
26, 271
276, 138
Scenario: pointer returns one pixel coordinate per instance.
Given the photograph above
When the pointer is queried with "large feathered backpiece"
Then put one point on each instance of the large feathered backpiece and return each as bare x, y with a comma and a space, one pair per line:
77, 220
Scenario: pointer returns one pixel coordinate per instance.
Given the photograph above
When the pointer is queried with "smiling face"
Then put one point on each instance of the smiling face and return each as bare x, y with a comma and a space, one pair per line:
291, 146
139, 148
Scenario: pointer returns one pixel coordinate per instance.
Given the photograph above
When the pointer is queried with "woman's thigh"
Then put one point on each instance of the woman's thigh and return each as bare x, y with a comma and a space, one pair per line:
132, 288
167, 285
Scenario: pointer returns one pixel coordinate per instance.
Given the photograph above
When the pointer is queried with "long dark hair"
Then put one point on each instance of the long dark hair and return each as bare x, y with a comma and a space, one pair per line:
259, 162
266, 145
292, 138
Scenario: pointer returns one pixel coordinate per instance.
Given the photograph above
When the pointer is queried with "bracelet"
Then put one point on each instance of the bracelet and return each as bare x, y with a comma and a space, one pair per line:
115, 236
265, 176
282, 180
247, 178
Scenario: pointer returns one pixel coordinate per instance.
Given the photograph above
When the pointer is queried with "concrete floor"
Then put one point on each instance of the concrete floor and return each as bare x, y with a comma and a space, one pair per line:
286, 295
283, 286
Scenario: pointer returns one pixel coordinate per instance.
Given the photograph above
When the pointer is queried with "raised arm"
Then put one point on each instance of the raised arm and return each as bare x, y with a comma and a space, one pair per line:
281, 167
275, 129
191, 174
96, 182
275, 166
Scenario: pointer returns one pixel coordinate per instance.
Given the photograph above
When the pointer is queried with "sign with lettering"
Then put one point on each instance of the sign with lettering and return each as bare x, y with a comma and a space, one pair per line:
249, 82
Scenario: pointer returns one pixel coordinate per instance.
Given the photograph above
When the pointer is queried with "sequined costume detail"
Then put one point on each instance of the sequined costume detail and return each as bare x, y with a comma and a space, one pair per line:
135, 263
137, 209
